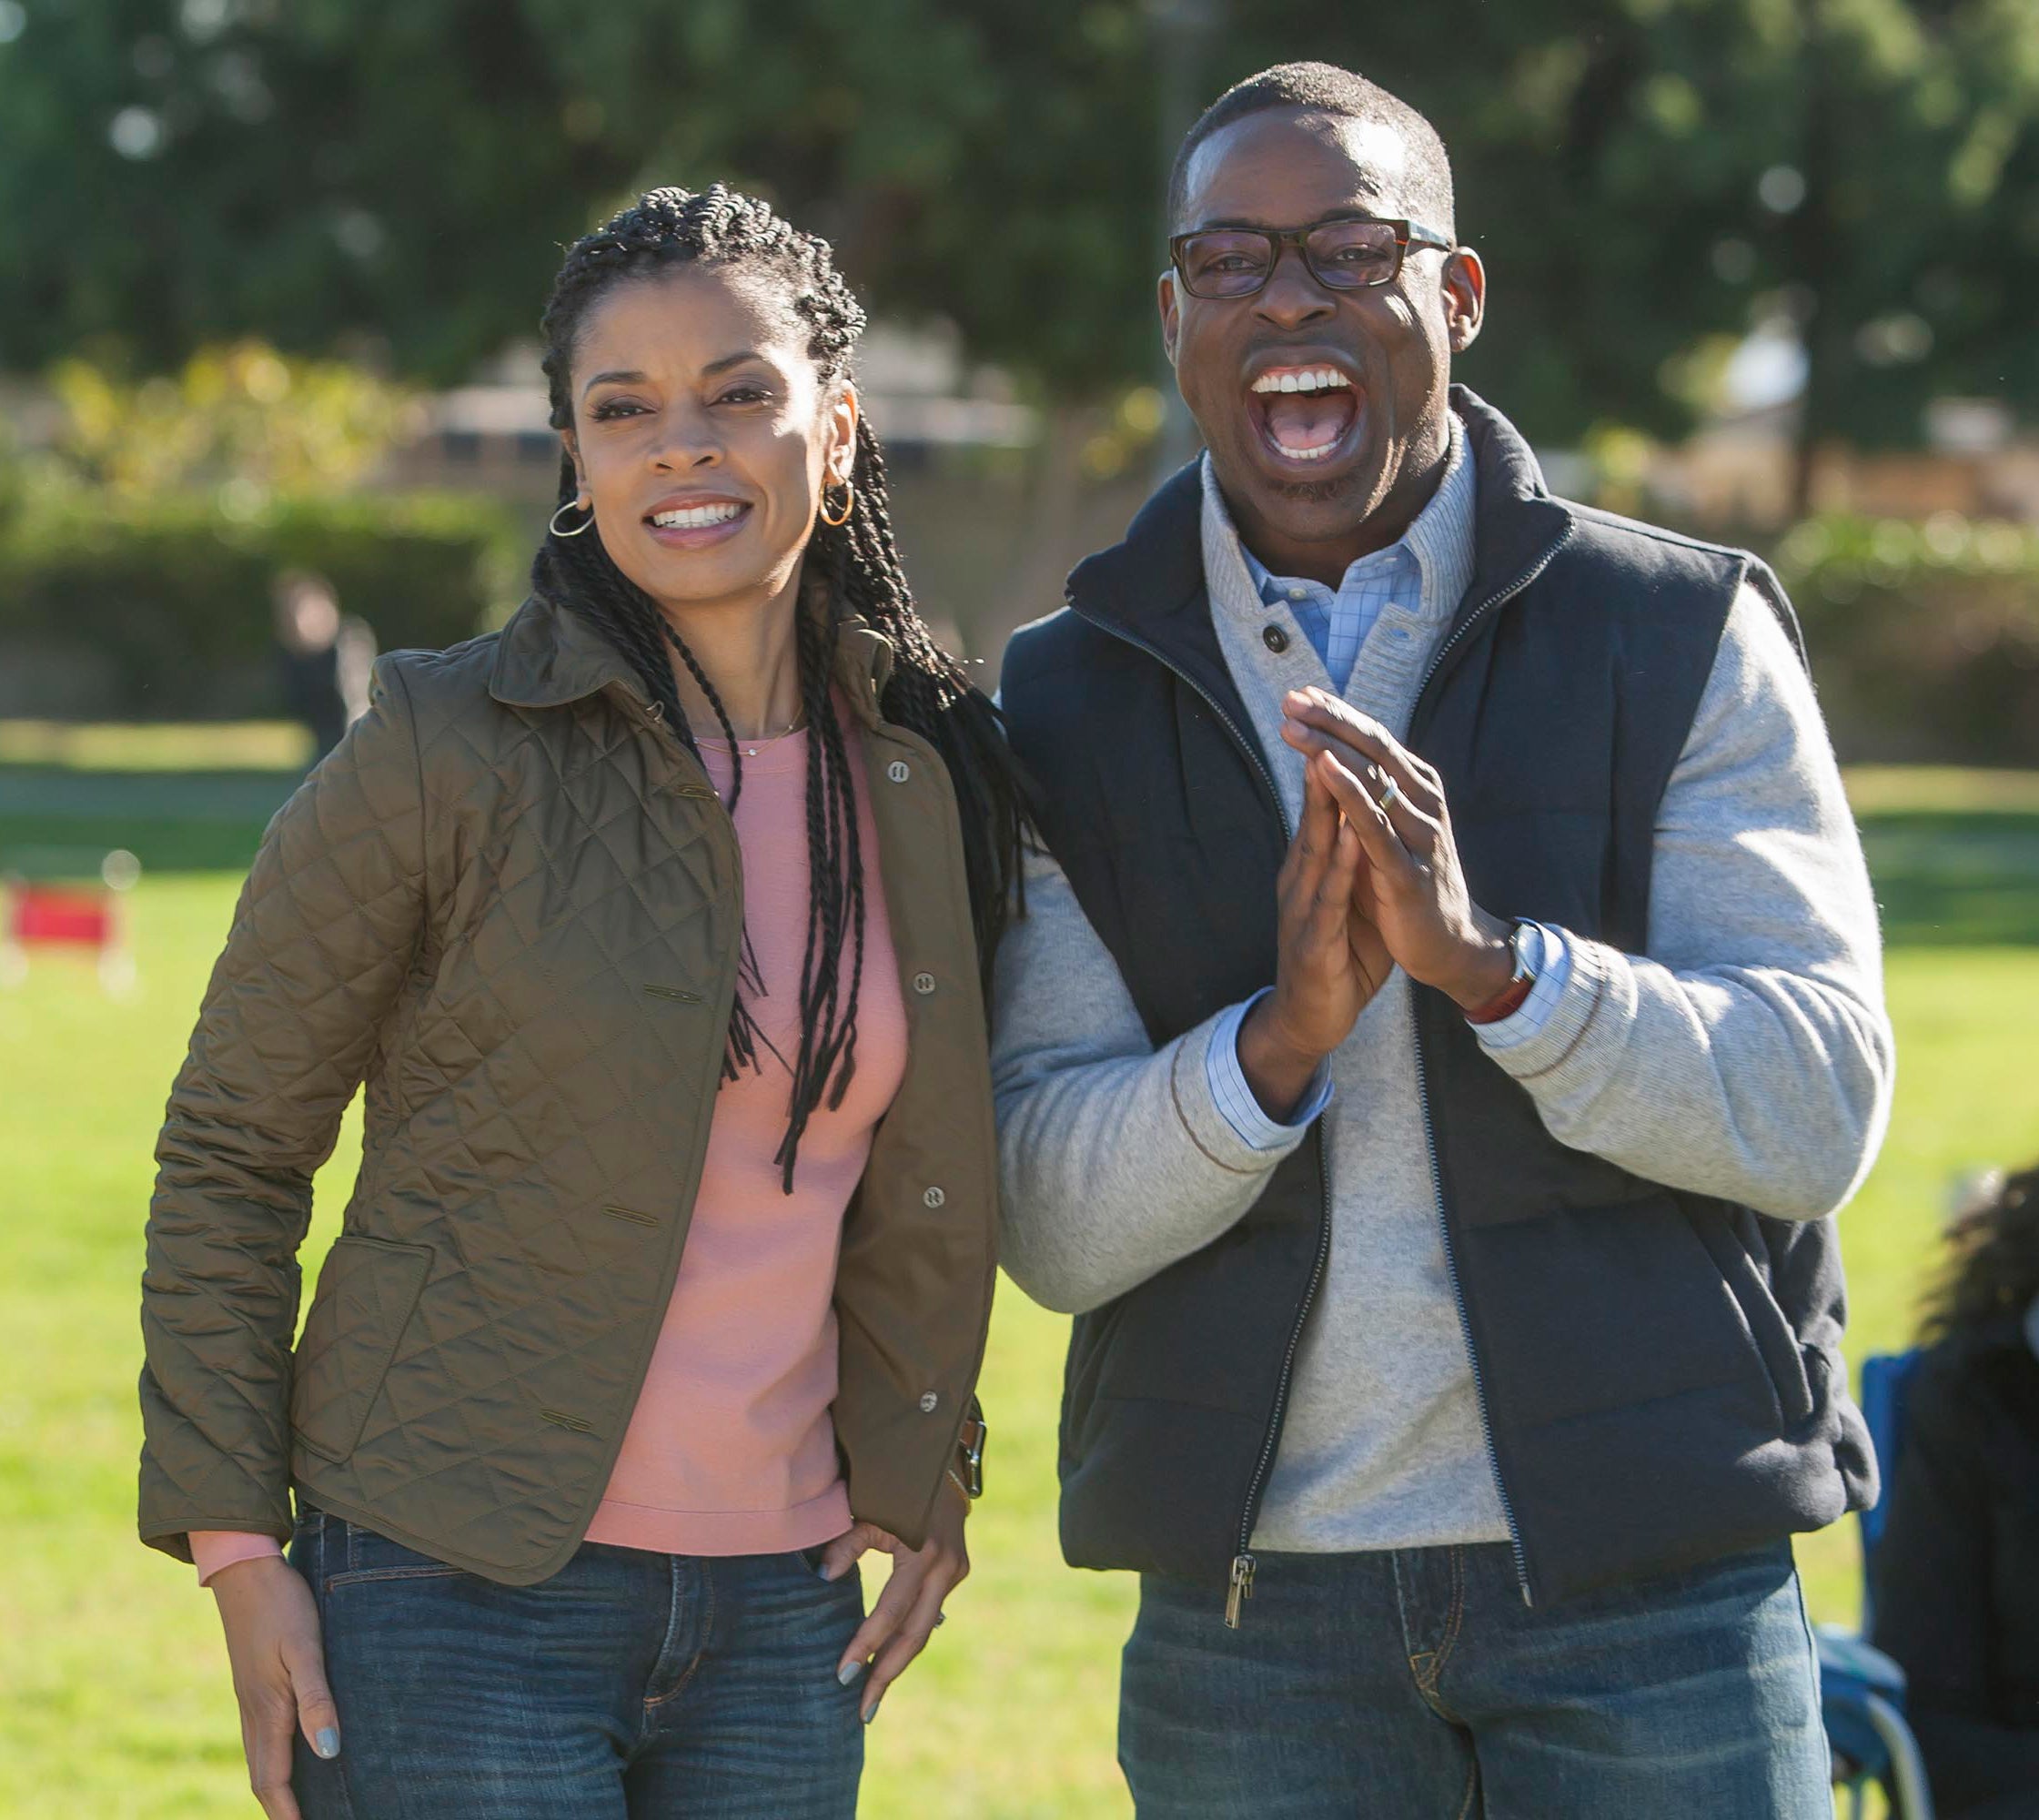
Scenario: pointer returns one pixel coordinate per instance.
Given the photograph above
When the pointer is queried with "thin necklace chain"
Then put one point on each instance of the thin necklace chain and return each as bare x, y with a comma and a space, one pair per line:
753, 747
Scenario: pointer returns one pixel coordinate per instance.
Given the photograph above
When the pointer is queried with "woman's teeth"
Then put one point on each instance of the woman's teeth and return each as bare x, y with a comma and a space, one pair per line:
1323, 381
696, 518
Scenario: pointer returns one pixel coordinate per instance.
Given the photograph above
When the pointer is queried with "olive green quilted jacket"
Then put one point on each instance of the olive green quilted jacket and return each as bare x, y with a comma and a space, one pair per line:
510, 902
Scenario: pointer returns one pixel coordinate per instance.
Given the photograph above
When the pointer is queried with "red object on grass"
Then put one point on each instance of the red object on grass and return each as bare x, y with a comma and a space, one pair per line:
60, 913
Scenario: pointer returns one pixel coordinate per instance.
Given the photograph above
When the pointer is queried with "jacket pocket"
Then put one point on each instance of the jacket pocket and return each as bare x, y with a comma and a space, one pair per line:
367, 1289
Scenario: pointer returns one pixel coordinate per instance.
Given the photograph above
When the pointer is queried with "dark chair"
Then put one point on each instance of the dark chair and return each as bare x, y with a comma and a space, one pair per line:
1861, 1690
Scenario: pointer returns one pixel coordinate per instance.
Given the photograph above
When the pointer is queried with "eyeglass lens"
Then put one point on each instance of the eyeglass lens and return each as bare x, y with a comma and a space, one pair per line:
1345, 254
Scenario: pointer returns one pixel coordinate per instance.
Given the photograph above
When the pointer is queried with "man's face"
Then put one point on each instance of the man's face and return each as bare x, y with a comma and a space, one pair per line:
1356, 460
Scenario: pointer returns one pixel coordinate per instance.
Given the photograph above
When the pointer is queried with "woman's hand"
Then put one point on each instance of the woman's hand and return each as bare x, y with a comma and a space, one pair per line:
911, 1605
279, 1673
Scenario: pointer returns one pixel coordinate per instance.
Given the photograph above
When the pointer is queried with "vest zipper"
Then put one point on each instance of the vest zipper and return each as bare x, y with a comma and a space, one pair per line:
1429, 1131
1239, 1582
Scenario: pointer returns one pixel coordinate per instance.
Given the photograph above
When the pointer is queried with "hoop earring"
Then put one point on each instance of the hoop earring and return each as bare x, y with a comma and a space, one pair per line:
849, 505
570, 506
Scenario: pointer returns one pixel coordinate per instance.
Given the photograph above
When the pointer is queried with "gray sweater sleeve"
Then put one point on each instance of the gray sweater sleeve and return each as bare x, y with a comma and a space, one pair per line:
1747, 1055
1115, 1158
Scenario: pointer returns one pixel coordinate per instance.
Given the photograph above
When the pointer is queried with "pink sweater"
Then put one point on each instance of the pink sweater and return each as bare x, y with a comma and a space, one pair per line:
731, 1449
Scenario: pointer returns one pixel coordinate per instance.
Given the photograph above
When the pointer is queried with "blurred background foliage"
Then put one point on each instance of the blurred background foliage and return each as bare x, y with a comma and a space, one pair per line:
1645, 176
1924, 637
240, 240
171, 593
241, 415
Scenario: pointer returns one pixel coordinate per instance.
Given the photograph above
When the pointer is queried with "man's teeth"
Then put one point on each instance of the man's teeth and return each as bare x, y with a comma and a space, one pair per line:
694, 517
1324, 379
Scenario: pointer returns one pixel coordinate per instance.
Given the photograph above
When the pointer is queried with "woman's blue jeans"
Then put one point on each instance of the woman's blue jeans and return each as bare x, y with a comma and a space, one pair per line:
628, 1687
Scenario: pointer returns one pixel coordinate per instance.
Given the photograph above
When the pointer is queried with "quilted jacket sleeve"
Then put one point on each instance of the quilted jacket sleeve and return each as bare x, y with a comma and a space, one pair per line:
323, 936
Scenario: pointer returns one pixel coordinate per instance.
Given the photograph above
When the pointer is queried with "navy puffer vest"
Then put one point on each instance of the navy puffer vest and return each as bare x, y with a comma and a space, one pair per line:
1659, 1371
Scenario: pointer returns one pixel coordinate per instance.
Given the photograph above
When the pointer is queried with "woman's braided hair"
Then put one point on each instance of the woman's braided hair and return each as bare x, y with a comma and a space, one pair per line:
854, 568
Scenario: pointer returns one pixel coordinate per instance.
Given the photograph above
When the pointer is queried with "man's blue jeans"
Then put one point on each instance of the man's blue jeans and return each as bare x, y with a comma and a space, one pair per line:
1416, 1685
629, 1686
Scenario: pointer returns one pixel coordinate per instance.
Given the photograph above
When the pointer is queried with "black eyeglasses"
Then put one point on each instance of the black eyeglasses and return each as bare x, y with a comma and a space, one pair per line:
1350, 255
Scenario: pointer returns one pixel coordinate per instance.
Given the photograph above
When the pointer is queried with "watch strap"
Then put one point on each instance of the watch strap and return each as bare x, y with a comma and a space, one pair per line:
1507, 1003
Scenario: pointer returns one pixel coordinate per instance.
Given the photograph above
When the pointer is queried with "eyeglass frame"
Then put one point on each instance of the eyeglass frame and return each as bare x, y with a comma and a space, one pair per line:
1408, 235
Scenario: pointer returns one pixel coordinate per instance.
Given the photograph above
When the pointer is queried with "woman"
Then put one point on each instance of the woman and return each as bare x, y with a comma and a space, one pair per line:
1956, 1575
656, 926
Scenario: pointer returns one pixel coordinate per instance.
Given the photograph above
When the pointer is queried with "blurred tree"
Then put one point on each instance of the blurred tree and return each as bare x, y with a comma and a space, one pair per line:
404, 171
1647, 177
241, 415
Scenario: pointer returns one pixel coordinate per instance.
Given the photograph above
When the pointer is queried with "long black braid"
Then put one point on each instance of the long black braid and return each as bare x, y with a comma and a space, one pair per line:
853, 572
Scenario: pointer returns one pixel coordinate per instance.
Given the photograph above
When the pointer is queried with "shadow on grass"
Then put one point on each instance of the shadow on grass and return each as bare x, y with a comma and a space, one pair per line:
1946, 875
1955, 880
172, 822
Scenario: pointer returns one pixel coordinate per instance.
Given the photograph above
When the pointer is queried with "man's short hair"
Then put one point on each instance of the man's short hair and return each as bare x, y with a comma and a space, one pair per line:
1325, 88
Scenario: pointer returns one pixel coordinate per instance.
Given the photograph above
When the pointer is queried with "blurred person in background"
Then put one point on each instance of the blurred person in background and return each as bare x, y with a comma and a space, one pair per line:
656, 924
1956, 1576
324, 657
1452, 1010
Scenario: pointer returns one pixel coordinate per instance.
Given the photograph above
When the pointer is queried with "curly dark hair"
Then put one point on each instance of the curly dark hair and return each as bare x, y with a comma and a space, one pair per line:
855, 567
1992, 1267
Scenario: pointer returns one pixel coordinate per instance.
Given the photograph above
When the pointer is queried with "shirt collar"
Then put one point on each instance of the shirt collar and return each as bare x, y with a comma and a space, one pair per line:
1439, 541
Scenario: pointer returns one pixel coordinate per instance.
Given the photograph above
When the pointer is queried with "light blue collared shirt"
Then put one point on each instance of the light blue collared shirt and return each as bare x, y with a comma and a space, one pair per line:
1435, 553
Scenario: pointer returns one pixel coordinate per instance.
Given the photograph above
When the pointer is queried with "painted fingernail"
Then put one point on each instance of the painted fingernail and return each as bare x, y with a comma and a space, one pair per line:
326, 1742
850, 1673
872, 1714
825, 1571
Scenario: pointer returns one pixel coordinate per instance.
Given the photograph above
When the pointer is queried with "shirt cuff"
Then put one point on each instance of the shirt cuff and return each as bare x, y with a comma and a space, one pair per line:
1235, 1100
212, 1550
1551, 959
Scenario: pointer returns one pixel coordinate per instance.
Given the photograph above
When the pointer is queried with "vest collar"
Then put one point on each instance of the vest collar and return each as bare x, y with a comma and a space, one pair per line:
1516, 523
1150, 586
549, 656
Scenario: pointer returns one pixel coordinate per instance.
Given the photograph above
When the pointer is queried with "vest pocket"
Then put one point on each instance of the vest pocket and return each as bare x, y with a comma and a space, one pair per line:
367, 1289
1592, 1309
1770, 1332
1090, 1340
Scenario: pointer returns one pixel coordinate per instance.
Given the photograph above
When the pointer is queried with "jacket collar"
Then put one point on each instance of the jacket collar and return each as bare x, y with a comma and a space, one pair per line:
549, 656
1150, 586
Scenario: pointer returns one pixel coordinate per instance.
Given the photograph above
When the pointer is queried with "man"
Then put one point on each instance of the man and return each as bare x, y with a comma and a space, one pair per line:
1449, 1018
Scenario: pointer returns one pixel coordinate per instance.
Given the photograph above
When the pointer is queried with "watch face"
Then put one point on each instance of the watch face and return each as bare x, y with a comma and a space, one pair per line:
1525, 955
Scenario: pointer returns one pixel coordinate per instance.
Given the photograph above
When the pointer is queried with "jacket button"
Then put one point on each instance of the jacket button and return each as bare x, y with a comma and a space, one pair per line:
1275, 639
929, 1403
899, 771
923, 984
935, 1197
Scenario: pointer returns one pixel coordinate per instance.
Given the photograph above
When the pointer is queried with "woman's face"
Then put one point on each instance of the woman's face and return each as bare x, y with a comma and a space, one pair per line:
704, 434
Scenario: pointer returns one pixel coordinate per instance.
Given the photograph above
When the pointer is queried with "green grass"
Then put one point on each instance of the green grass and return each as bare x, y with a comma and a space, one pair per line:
117, 1701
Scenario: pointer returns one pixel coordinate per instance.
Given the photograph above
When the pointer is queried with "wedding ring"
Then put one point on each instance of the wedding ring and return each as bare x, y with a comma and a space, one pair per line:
1390, 796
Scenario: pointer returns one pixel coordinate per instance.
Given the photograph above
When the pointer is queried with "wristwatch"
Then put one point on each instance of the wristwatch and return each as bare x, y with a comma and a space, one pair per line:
1522, 944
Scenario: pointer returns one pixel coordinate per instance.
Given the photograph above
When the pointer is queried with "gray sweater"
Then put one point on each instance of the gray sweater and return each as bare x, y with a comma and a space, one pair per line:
1745, 1054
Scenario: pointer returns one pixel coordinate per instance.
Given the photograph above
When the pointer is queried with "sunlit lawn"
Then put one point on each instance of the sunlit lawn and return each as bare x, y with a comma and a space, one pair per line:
114, 1696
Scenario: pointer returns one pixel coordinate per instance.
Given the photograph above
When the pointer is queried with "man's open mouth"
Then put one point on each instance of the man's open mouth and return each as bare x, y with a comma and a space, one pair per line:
1304, 414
